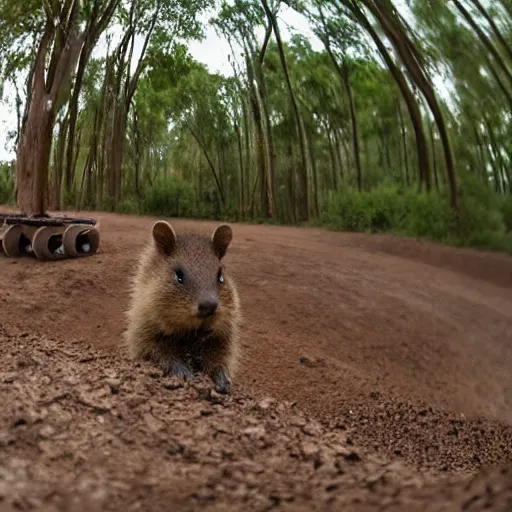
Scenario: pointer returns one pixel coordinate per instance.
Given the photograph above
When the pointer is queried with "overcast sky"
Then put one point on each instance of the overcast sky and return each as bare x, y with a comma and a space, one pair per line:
212, 51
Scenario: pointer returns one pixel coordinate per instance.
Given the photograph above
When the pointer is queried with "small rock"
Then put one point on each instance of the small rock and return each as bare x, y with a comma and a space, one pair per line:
154, 424
72, 380
298, 421
50, 449
255, 432
7, 377
312, 429
309, 449
266, 403
113, 384
342, 451
214, 395
307, 361
201, 431
47, 431
173, 383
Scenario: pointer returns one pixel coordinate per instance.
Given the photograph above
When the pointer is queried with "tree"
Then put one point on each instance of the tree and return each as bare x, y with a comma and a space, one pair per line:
60, 43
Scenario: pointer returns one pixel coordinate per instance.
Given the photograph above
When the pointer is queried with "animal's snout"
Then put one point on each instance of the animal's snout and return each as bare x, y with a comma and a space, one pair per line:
207, 308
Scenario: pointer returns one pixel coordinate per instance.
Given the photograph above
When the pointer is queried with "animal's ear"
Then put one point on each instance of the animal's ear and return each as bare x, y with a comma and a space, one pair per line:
164, 237
221, 239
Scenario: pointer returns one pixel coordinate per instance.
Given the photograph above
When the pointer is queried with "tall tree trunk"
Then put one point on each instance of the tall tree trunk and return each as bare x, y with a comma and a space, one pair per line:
291, 182
264, 139
344, 75
33, 155
353, 120
241, 204
210, 162
496, 31
58, 162
96, 24
298, 117
311, 145
434, 160
404, 144
495, 170
384, 12
480, 152
47, 95
138, 153
73, 115
115, 155
333, 159
485, 40
262, 97
339, 153
410, 100
247, 140
262, 160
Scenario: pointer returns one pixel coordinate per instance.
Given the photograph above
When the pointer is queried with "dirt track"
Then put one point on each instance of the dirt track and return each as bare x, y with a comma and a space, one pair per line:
390, 363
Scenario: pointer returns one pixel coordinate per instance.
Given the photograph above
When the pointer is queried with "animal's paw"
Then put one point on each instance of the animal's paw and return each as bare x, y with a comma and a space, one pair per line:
176, 369
222, 381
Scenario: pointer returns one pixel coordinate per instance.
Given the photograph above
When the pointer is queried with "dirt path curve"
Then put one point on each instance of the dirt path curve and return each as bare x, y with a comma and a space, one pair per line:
405, 345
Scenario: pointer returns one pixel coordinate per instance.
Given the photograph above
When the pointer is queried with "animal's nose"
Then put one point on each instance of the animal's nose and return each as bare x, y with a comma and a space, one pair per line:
207, 308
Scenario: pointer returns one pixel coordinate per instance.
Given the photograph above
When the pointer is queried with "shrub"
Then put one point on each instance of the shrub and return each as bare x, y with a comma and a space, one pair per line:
169, 197
483, 219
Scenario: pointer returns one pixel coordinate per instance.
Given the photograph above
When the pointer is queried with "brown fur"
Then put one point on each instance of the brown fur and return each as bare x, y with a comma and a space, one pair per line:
163, 323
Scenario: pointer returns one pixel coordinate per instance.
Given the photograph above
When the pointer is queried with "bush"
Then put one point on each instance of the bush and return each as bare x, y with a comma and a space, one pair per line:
169, 197
484, 220
350, 210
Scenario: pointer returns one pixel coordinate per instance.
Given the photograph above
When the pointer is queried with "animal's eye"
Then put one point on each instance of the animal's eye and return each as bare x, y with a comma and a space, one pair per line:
180, 276
220, 277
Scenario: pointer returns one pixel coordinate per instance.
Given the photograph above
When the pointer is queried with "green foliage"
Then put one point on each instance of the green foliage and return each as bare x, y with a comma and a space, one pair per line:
388, 209
170, 197
506, 210
6, 182
199, 144
483, 219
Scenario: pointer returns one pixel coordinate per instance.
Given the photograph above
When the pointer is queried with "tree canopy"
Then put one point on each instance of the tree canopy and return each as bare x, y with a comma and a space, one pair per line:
294, 134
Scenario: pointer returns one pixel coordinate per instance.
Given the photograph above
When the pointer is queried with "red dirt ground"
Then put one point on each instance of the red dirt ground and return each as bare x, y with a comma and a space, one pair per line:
377, 375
